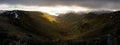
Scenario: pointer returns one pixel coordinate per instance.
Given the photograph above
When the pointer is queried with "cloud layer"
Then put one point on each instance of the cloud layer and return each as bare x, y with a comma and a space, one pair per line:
95, 4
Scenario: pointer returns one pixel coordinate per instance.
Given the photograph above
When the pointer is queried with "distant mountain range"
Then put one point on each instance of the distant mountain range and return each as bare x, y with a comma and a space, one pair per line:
1, 11
103, 11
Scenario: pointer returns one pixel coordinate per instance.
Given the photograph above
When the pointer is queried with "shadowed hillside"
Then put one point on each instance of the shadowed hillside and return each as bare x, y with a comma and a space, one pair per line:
95, 29
37, 28
22, 26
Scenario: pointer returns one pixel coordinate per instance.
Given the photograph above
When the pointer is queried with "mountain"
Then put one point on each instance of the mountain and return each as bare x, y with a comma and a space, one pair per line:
96, 29
19, 27
102, 11
26, 27
1, 11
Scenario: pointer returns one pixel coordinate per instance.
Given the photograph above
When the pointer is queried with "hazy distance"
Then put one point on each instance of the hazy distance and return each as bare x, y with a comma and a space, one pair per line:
55, 7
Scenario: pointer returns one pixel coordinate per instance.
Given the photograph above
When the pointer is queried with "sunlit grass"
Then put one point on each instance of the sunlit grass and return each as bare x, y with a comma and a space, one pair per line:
49, 17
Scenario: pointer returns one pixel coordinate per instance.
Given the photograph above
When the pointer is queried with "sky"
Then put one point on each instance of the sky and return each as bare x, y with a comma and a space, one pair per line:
55, 7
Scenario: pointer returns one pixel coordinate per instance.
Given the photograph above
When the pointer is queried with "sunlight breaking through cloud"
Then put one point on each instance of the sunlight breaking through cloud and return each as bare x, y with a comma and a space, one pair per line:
53, 10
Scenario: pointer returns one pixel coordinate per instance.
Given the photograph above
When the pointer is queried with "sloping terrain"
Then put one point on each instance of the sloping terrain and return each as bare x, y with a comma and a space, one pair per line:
21, 26
96, 29
37, 28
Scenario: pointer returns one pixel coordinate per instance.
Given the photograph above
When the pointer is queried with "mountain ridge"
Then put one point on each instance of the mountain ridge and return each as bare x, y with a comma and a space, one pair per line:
28, 27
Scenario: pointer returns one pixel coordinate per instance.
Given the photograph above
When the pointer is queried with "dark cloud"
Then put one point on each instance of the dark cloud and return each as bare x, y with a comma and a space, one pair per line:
111, 4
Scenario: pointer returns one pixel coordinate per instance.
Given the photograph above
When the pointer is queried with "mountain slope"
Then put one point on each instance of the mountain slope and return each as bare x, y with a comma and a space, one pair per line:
22, 26
94, 28
37, 28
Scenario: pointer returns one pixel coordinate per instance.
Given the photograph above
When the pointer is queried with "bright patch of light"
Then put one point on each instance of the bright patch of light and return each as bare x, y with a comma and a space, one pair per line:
53, 10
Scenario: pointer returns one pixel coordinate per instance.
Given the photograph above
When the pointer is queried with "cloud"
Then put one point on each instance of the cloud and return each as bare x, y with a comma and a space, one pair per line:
93, 4
55, 7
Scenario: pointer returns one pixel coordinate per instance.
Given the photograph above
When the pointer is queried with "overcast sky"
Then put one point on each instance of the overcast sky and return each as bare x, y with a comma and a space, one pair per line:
82, 4
112, 4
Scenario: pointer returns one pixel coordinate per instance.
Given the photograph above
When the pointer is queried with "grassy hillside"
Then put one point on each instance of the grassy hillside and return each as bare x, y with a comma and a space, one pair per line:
34, 26
38, 28
91, 25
